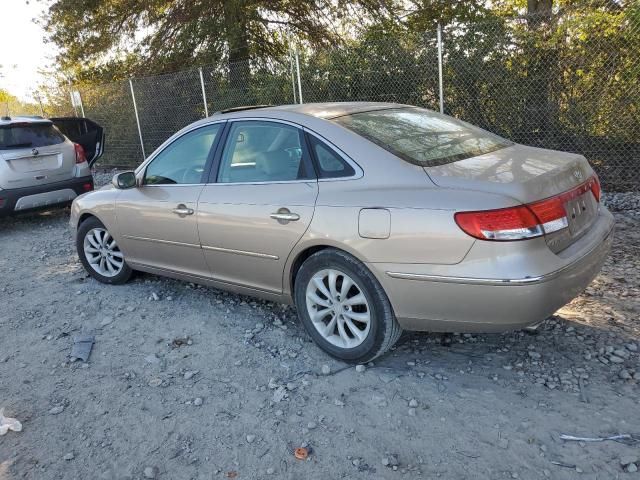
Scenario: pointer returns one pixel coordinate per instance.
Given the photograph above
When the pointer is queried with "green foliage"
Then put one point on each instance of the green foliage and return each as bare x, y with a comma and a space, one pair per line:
106, 40
11, 105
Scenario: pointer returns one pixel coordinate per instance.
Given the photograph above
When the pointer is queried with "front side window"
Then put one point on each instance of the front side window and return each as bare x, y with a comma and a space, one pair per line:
259, 151
29, 135
421, 136
184, 160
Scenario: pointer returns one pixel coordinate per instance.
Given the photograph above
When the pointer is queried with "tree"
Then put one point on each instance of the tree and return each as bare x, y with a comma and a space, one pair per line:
110, 39
11, 105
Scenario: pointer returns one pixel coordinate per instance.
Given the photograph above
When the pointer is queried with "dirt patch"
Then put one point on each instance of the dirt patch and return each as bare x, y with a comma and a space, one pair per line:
188, 382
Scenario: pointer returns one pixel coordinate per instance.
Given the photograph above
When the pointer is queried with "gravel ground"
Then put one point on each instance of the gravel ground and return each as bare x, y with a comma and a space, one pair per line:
188, 382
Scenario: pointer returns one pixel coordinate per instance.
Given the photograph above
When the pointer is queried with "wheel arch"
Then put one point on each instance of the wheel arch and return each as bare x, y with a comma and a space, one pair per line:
86, 216
298, 257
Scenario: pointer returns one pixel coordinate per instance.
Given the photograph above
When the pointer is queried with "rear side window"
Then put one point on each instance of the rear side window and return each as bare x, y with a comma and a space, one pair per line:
262, 151
29, 135
421, 136
329, 163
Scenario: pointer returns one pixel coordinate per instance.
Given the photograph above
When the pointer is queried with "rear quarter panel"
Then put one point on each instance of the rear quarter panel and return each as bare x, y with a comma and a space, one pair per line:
422, 229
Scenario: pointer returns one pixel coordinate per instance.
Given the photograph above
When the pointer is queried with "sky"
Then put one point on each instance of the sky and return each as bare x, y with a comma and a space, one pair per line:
24, 51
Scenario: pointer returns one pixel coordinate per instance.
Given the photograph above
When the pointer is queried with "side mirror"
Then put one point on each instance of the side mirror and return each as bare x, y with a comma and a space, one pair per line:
124, 180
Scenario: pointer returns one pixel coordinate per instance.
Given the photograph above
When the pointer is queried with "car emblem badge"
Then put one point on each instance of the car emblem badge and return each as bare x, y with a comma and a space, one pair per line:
577, 174
34, 152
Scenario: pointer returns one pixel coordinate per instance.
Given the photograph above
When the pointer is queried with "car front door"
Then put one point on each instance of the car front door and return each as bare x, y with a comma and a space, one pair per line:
157, 219
259, 203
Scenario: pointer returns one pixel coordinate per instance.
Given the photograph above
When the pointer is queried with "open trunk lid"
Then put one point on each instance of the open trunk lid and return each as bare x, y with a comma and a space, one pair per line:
528, 175
85, 132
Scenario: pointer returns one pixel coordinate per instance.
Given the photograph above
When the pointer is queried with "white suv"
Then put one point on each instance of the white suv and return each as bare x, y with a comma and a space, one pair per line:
46, 162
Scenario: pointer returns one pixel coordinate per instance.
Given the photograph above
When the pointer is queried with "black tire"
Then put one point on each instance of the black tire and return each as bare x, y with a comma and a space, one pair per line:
384, 331
85, 227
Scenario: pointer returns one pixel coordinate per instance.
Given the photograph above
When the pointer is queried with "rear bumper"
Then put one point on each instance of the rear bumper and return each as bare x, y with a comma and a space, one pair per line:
459, 303
42, 196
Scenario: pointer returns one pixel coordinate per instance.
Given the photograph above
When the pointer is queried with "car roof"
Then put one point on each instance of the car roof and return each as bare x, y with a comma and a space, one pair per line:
331, 110
326, 110
23, 119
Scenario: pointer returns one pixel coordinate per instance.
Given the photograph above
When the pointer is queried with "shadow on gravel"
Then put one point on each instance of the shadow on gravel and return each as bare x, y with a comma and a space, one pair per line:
25, 221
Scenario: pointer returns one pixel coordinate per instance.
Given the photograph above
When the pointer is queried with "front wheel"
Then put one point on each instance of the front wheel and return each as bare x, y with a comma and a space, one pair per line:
100, 254
344, 308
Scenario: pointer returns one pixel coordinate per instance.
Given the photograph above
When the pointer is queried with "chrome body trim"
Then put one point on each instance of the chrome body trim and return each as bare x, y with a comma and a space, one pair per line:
241, 252
204, 247
495, 281
468, 280
165, 242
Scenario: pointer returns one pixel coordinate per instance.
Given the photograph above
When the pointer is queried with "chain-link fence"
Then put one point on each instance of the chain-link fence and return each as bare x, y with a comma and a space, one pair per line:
568, 81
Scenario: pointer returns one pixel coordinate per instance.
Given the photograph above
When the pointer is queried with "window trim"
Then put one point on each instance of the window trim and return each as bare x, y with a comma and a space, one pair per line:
306, 154
358, 172
142, 168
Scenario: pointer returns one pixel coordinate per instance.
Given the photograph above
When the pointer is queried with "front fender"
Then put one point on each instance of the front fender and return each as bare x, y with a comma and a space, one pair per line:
100, 204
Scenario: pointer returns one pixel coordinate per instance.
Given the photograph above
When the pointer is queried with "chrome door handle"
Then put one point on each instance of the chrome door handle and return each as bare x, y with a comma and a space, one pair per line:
182, 210
285, 216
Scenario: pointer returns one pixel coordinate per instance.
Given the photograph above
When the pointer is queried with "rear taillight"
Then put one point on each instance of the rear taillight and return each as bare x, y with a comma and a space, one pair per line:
87, 187
514, 223
524, 221
80, 155
595, 187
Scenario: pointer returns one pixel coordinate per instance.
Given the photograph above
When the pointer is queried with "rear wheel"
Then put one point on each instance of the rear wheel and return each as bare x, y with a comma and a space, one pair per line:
100, 254
344, 308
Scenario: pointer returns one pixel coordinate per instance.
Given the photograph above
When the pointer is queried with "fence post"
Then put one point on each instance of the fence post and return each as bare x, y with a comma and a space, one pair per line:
73, 102
204, 95
135, 109
441, 91
298, 72
81, 103
293, 79
36, 95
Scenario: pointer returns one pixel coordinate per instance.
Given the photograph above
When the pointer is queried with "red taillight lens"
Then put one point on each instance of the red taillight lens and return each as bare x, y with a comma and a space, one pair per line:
87, 187
80, 155
595, 187
524, 221
505, 224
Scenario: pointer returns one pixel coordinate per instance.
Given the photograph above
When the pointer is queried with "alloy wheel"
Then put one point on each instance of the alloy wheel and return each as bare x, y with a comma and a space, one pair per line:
102, 252
338, 308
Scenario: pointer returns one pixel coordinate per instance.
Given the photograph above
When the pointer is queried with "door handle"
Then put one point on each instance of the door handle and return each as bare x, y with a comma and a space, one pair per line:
283, 215
182, 210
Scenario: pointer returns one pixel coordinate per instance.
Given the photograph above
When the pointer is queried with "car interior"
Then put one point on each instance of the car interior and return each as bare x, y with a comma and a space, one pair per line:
262, 152
184, 161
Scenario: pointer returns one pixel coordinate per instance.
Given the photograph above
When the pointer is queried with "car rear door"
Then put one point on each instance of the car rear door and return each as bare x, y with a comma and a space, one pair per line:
34, 153
258, 203
85, 132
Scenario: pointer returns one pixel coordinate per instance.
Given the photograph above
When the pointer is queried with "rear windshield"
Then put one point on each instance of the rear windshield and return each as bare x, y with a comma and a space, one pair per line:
421, 136
29, 135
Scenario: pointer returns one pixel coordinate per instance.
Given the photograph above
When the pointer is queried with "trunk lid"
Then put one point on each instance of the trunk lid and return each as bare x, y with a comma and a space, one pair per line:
528, 174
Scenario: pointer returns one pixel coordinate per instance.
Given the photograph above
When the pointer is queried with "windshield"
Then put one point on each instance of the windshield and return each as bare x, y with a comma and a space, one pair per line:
421, 136
29, 135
